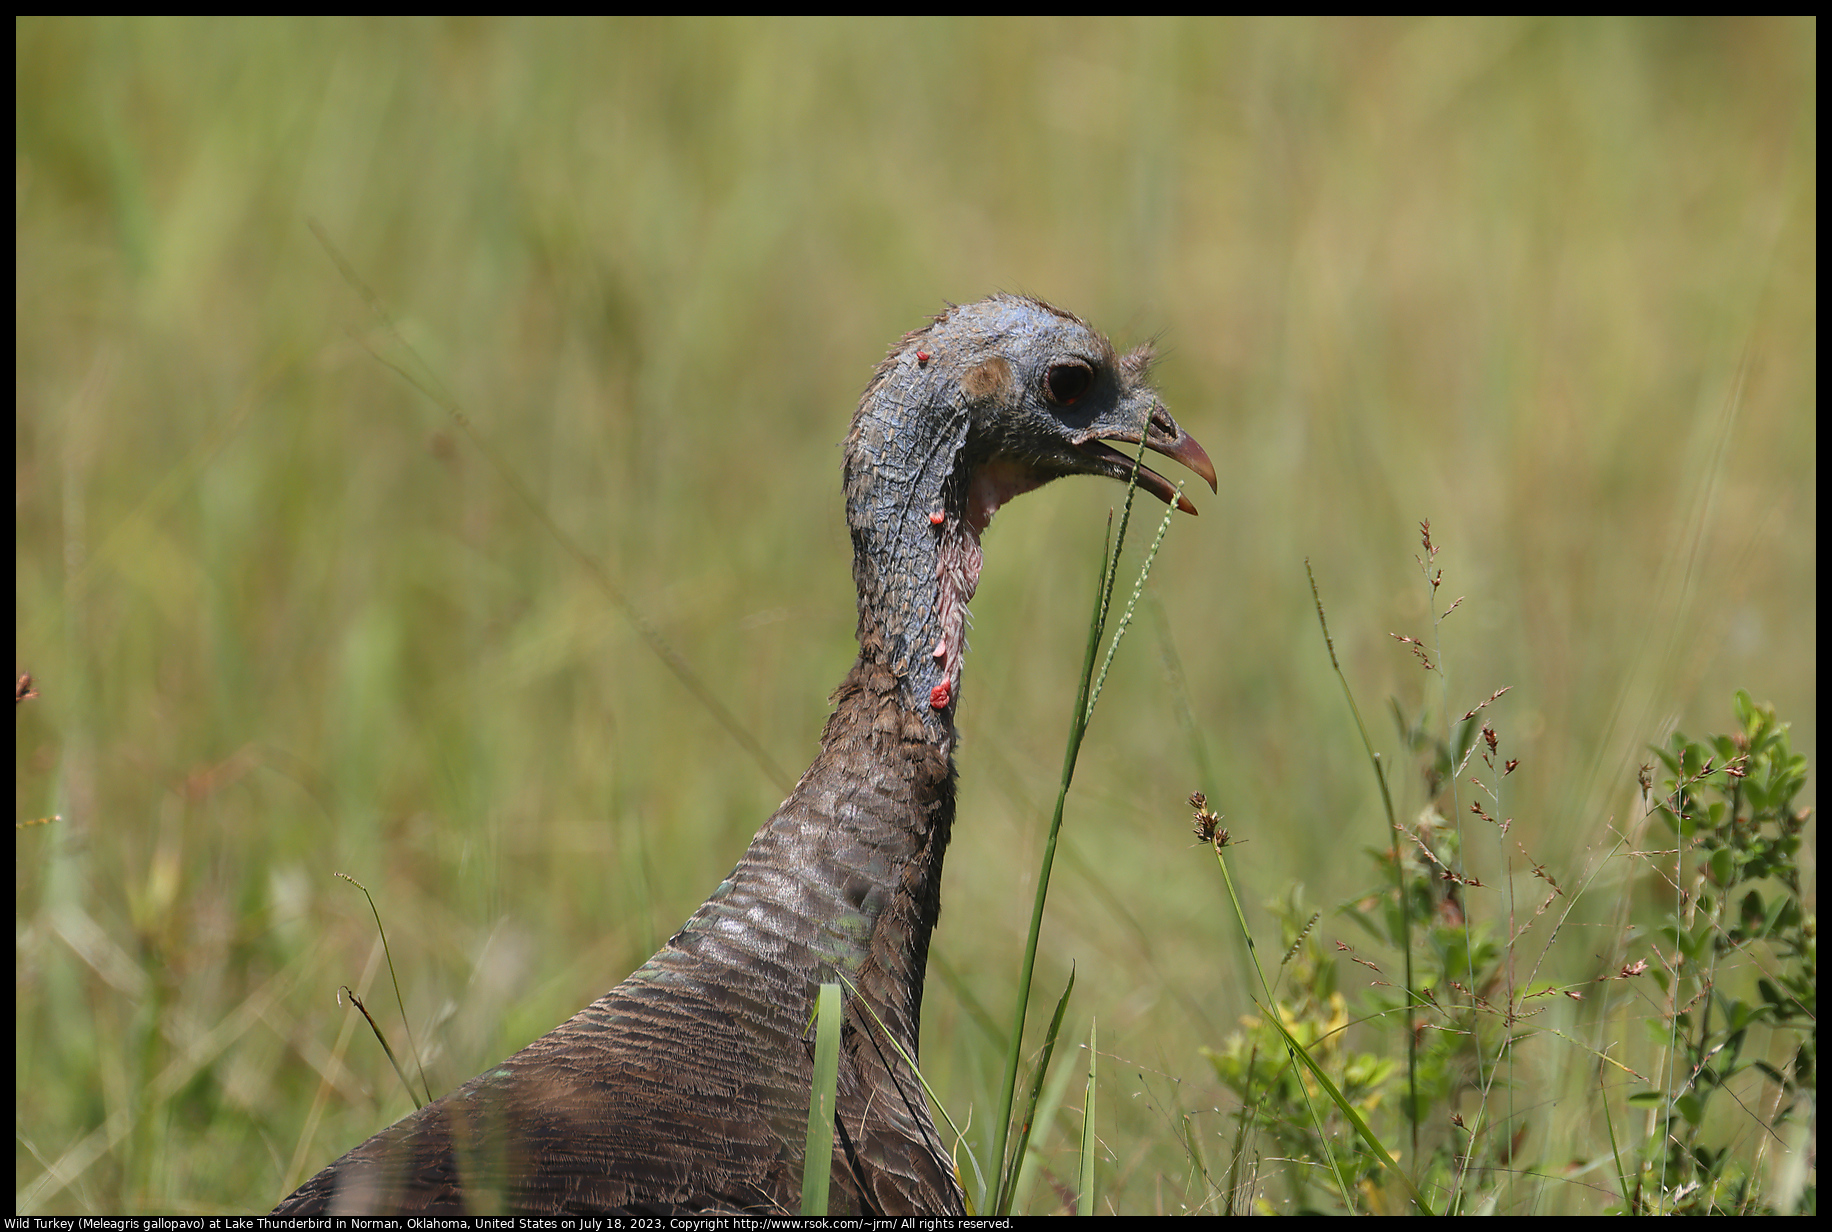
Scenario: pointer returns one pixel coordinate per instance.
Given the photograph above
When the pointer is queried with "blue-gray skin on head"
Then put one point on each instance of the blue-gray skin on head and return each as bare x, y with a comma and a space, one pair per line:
991, 400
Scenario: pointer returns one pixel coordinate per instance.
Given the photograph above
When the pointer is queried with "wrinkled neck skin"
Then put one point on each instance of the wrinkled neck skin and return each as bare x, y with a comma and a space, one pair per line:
858, 845
917, 500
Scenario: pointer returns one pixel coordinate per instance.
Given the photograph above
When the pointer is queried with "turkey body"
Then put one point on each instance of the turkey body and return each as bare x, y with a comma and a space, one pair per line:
685, 1088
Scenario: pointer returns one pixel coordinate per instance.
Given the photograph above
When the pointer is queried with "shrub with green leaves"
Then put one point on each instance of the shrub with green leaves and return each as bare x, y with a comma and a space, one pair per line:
1742, 967
1488, 1057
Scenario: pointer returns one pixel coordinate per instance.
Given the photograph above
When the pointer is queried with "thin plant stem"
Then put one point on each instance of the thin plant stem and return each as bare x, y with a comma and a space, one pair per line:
1007, 1169
1399, 871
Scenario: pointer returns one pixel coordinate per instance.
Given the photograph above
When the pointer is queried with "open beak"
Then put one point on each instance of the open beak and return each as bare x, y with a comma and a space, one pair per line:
1162, 435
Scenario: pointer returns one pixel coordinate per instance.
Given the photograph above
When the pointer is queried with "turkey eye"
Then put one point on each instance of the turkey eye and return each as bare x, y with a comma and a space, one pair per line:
1066, 382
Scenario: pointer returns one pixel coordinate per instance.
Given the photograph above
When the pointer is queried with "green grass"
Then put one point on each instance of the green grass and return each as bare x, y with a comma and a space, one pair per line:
1549, 284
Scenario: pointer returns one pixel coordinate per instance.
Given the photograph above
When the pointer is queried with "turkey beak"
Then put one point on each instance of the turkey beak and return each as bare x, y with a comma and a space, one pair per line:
1162, 435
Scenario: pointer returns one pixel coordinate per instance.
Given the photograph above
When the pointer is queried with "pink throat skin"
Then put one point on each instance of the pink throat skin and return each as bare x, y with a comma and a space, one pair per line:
957, 565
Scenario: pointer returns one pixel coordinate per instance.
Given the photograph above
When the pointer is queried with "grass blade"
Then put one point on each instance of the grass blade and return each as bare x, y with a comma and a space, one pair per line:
373, 1026
817, 1159
1084, 1198
1008, 1184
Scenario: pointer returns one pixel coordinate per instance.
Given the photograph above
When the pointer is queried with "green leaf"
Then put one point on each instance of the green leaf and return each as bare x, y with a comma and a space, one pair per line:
1723, 864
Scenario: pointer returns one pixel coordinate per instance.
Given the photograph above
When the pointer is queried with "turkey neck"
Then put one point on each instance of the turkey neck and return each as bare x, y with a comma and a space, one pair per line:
848, 871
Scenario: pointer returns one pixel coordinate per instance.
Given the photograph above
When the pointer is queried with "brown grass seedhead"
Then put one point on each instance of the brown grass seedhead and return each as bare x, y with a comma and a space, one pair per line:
1206, 825
1417, 647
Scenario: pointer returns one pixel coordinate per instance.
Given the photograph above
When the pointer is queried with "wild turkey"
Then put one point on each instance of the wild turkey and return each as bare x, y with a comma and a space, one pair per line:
685, 1088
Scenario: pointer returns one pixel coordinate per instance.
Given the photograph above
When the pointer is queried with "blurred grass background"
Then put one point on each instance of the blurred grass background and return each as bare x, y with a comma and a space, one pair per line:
1551, 284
